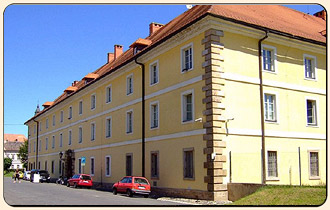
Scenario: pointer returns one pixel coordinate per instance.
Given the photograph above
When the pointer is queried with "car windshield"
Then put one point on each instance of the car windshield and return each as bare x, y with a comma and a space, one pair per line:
140, 181
43, 172
84, 177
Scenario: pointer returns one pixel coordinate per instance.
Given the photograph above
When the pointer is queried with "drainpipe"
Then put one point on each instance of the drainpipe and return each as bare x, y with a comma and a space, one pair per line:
37, 146
262, 111
143, 116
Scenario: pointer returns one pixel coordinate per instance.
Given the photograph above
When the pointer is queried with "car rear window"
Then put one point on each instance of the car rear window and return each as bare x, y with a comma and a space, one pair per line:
83, 177
140, 181
43, 172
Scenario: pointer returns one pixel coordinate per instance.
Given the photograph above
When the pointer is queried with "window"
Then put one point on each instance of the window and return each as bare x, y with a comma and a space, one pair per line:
61, 140
153, 68
154, 165
47, 123
129, 122
108, 166
34, 129
108, 127
92, 131
70, 137
154, 113
310, 67
80, 135
272, 164
46, 166
54, 118
93, 101
92, 166
129, 84
187, 106
40, 126
270, 107
53, 142
188, 163
80, 107
108, 94
129, 164
61, 117
34, 146
313, 164
40, 145
53, 166
311, 112
268, 58
46, 144
187, 58
79, 166
70, 113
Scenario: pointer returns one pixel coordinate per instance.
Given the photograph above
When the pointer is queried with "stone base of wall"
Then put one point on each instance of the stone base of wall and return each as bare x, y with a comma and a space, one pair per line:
240, 190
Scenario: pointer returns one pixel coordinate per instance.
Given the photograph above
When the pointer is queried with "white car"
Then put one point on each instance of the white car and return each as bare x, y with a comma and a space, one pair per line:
27, 175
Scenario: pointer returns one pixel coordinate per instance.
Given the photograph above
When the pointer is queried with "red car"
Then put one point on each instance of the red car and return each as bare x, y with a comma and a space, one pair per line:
81, 180
132, 185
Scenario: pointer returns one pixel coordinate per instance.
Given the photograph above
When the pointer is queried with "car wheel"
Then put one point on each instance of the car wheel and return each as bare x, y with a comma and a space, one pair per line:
68, 184
75, 185
114, 191
129, 193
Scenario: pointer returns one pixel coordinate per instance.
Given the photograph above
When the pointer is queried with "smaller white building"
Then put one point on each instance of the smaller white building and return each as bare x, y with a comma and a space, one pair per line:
11, 149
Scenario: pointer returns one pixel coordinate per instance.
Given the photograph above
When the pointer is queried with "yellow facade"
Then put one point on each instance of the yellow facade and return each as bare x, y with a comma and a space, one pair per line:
242, 123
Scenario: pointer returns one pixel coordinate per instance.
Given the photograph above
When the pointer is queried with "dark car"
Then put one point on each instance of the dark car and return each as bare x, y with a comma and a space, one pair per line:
80, 180
44, 175
132, 185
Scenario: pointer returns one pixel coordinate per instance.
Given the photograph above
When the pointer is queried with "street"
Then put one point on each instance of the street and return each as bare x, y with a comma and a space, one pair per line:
50, 194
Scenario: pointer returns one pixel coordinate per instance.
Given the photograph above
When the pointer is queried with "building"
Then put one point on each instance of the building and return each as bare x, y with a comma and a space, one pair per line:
221, 94
12, 143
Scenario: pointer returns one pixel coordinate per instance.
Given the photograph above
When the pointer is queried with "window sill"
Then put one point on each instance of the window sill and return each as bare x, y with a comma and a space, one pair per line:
154, 128
153, 84
312, 126
272, 122
108, 137
187, 121
273, 179
189, 179
108, 102
128, 94
310, 79
268, 71
314, 178
129, 133
186, 70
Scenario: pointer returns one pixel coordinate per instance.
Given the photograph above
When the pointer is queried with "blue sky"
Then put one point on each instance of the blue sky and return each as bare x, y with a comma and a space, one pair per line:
47, 47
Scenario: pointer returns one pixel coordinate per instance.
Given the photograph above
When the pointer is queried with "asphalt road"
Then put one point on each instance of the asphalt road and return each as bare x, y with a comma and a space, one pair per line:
50, 194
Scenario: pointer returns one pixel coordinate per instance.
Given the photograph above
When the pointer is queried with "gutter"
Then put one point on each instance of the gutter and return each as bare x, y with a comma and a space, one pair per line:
37, 146
262, 111
143, 115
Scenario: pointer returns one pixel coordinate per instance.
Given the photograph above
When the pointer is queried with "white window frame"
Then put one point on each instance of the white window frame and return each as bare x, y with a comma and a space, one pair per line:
46, 146
273, 56
93, 105
127, 124
61, 140
70, 137
53, 142
61, 116
152, 127
151, 76
108, 98
309, 164
54, 120
273, 178
107, 175
182, 58
80, 107
276, 106
127, 85
80, 135
93, 131
70, 112
314, 66
183, 106
316, 100
92, 174
107, 127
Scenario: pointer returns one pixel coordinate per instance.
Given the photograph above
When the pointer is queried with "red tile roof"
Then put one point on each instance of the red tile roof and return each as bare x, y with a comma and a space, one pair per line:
14, 137
275, 18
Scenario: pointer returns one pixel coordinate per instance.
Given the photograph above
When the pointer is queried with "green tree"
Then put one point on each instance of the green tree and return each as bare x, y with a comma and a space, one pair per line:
23, 153
7, 163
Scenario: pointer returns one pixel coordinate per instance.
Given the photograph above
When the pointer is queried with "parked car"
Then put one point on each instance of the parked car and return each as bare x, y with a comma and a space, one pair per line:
44, 175
80, 180
27, 175
132, 185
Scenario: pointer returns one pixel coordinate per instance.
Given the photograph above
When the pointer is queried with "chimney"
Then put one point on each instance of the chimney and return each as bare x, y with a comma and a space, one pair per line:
74, 83
118, 51
111, 57
153, 27
321, 14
